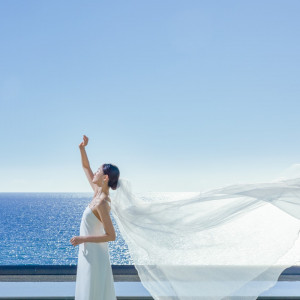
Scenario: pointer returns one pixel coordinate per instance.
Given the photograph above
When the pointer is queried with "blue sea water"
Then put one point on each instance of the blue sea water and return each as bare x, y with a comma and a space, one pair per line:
36, 228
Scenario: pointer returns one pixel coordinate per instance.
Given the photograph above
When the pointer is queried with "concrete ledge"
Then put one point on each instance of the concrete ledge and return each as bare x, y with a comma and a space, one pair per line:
64, 290
58, 282
57, 273
124, 290
68, 273
58, 269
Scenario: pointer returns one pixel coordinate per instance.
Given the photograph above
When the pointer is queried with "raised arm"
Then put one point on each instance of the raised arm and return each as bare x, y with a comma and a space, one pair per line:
86, 164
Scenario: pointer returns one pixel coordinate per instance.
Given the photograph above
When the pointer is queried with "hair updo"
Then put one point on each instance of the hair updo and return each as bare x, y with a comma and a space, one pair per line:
113, 173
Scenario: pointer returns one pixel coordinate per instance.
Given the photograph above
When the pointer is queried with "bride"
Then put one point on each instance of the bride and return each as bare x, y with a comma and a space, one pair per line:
94, 278
231, 242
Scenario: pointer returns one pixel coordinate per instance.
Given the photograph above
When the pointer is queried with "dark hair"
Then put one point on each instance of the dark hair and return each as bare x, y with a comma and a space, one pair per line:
113, 173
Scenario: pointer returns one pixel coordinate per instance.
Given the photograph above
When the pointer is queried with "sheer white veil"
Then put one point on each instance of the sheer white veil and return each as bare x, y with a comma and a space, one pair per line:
216, 244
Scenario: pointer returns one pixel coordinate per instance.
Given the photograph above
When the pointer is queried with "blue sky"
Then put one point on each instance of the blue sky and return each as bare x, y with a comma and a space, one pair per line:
182, 96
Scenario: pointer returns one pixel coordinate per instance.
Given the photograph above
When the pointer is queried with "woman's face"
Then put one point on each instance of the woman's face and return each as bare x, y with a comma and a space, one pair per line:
99, 176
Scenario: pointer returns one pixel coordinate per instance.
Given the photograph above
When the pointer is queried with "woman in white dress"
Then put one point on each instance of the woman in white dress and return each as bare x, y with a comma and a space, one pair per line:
94, 279
232, 241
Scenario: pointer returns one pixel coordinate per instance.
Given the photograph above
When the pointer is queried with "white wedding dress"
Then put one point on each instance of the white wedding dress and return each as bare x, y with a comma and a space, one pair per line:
94, 278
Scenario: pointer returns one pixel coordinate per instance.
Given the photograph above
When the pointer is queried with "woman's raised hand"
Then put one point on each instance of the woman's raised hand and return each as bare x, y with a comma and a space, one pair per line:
85, 141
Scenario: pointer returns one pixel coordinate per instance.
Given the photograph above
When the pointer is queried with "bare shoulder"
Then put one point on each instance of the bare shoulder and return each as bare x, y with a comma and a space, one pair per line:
104, 198
103, 202
103, 208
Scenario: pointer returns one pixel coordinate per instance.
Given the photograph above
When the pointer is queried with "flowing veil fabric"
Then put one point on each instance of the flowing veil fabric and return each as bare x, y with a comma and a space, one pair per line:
216, 244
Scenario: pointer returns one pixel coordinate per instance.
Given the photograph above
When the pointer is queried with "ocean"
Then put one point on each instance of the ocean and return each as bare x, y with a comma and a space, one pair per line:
36, 228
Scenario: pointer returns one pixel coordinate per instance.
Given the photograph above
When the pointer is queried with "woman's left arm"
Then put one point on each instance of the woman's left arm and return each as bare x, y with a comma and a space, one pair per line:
103, 210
